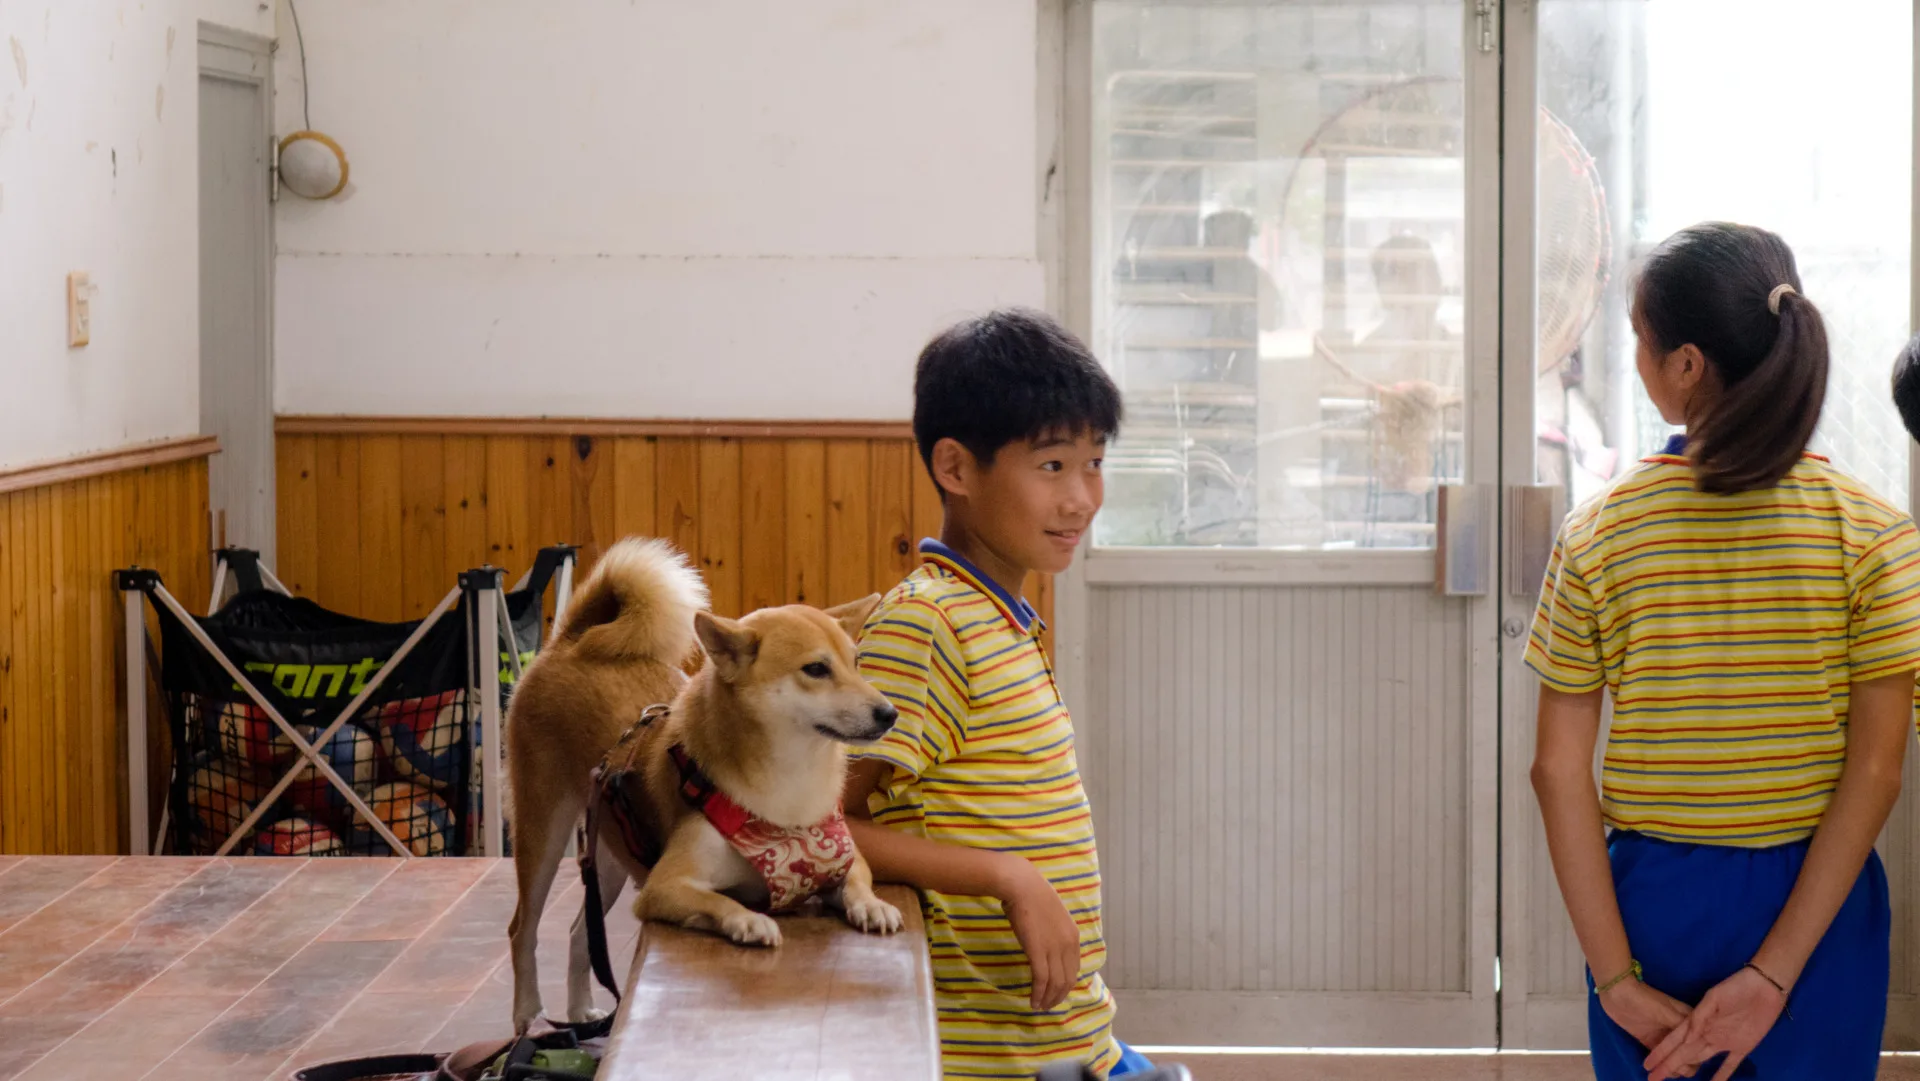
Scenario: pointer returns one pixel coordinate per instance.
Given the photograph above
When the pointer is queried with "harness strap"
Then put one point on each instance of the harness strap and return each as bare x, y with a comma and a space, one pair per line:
595, 912
704, 796
610, 793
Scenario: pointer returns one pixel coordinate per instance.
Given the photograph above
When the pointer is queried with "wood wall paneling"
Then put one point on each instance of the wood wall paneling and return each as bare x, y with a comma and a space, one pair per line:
62, 763
378, 520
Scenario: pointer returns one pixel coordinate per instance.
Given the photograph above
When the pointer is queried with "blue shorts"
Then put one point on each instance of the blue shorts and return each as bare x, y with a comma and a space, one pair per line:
1131, 1062
1696, 914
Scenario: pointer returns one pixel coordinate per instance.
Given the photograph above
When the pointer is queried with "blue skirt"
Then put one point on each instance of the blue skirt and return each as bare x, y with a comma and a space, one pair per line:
1696, 914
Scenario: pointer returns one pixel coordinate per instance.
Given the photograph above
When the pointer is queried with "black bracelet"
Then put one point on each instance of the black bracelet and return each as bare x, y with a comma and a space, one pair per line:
1777, 986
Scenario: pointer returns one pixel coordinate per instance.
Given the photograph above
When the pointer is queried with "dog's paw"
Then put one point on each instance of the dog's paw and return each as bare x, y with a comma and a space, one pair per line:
751, 929
587, 1016
524, 1017
874, 916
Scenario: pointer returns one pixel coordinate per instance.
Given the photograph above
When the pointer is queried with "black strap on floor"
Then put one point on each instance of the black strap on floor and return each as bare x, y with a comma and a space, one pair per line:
355, 1069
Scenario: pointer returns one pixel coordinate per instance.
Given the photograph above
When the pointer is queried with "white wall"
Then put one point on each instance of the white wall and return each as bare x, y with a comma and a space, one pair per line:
98, 172
731, 208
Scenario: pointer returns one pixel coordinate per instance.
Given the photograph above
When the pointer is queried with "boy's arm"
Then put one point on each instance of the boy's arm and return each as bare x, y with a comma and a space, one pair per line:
1040, 919
896, 856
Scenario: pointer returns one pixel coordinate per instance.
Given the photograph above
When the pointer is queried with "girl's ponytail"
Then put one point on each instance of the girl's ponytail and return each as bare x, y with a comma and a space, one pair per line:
1733, 292
1760, 426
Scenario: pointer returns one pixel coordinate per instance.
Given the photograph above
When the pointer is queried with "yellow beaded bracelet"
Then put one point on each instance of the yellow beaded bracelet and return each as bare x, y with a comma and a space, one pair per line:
1632, 973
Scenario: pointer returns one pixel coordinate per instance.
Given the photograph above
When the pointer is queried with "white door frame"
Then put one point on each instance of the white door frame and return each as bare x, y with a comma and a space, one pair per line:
239, 57
1065, 161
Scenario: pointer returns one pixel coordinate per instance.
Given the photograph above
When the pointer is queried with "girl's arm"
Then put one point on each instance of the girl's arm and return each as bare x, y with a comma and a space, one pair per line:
1738, 1013
1879, 727
1569, 726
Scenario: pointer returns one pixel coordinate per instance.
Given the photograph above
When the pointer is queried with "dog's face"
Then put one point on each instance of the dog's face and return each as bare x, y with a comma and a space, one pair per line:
795, 665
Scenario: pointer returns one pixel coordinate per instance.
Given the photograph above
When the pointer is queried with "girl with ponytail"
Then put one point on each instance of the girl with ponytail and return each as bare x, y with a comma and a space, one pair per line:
1754, 614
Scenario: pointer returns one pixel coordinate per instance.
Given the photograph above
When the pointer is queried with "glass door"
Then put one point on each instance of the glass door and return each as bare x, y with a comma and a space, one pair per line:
1651, 116
1288, 734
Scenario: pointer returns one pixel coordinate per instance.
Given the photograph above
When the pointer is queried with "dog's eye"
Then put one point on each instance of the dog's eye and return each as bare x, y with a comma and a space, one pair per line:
818, 670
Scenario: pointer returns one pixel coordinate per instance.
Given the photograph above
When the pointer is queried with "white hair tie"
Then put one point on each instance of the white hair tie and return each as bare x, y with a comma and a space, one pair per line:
1773, 298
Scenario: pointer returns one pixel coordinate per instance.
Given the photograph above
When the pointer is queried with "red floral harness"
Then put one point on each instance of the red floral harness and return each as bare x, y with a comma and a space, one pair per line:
795, 862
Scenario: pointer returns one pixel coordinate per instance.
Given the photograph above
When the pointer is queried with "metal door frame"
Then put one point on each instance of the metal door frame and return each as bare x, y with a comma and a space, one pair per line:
1064, 164
1560, 1021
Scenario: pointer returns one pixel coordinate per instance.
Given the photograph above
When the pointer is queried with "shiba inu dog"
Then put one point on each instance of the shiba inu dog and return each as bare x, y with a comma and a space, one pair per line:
719, 793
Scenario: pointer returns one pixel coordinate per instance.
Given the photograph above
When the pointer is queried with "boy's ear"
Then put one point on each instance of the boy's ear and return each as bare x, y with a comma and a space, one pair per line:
953, 466
730, 645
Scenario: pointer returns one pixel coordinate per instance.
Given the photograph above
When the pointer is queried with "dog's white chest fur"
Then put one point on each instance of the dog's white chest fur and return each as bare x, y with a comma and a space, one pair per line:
727, 871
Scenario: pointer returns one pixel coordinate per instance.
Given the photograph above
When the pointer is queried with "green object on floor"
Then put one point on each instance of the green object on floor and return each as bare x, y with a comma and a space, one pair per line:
565, 1060
561, 1060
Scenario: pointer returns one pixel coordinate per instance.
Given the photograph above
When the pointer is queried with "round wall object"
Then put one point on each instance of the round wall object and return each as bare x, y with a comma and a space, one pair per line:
312, 166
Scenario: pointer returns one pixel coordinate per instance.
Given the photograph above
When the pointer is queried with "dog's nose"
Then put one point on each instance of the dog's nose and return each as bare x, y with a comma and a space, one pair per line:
884, 716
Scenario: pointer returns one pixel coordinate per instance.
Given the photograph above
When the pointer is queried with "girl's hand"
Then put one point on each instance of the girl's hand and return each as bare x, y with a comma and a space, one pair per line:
1734, 1017
1648, 1015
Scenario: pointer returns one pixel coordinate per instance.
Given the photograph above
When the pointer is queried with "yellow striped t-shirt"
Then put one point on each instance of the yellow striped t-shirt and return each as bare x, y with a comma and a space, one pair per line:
983, 757
1727, 629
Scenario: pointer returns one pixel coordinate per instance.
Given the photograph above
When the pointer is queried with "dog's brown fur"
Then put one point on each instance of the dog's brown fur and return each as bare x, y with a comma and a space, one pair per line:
766, 719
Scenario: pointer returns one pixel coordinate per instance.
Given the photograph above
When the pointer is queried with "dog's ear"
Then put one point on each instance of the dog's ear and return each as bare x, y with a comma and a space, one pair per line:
852, 616
730, 645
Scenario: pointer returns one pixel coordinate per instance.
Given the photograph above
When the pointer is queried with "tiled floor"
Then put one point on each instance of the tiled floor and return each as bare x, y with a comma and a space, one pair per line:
1423, 1067
239, 970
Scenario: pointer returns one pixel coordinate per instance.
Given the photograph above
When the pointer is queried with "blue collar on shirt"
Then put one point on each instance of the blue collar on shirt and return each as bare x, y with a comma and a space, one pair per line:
1016, 608
1676, 446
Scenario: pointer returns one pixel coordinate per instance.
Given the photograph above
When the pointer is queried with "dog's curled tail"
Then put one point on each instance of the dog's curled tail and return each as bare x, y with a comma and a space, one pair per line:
638, 602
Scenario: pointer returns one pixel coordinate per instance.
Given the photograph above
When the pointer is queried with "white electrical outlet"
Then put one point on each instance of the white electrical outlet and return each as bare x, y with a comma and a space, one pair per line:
79, 309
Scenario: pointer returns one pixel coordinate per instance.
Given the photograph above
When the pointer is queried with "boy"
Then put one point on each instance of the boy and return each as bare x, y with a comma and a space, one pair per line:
975, 797
1906, 386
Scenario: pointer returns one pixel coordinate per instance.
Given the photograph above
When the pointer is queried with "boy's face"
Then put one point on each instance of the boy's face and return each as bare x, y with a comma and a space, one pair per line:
1034, 504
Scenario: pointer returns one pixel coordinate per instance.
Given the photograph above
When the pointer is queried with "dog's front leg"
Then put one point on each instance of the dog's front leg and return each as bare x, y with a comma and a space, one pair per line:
684, 886
863, 908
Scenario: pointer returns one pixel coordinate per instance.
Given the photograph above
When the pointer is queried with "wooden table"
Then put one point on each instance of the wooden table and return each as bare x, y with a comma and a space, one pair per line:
164, 968
830, 1004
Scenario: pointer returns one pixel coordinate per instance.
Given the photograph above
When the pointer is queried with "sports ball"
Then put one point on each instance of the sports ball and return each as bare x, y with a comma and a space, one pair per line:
295, 837
352, 754
416, 816
244, 733
220, 796
422, 738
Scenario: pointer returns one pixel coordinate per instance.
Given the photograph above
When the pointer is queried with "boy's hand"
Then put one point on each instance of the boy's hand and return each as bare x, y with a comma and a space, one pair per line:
1046, 931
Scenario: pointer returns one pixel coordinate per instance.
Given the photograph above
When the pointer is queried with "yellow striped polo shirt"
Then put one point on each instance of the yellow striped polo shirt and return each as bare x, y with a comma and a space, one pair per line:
983, 756
1727, 629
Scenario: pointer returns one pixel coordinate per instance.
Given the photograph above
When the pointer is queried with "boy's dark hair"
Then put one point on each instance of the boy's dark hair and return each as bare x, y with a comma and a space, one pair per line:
1709, 286
1009, 375
1906, 386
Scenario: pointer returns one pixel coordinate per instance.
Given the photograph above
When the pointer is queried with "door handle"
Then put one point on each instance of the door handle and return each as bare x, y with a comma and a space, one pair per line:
1534, 514
1463, 530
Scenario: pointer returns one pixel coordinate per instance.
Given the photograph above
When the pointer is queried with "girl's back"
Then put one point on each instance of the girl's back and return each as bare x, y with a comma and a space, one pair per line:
1727, 629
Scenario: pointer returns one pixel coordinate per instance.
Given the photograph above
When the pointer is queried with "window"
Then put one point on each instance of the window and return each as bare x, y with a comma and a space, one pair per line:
1279, 270
1741, 110
1280, 258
